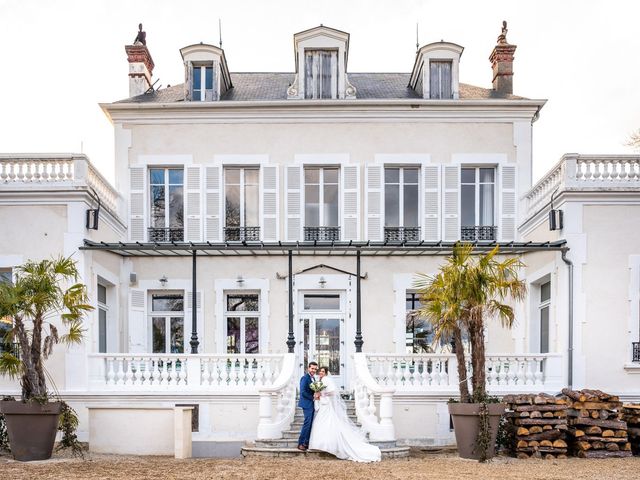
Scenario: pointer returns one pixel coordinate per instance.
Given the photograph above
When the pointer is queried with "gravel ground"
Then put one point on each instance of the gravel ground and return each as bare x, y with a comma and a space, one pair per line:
441, 466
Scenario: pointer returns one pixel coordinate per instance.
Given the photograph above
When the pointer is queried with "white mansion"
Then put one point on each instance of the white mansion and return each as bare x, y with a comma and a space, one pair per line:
298, 207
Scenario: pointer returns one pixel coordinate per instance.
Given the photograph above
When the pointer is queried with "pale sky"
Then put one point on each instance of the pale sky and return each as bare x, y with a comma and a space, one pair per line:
60, 58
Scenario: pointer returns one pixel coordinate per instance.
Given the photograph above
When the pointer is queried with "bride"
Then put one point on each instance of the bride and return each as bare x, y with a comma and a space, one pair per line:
333, 431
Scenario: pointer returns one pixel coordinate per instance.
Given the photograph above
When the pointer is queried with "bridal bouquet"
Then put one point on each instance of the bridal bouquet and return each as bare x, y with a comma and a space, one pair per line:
317, 386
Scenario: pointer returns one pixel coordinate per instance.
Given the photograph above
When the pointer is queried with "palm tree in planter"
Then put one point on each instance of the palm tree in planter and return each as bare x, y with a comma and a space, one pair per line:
467, 290
38, 303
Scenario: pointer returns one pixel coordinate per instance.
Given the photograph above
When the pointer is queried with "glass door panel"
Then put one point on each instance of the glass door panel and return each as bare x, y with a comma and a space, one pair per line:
328, 344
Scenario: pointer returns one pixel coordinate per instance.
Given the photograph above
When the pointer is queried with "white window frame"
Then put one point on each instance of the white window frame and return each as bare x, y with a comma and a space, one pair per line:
167, 215
242, 185
321, 184
167, 318
541, 306
201, 69
243, 316
103, 306
401, 194
476, 185
316, 81
440, 93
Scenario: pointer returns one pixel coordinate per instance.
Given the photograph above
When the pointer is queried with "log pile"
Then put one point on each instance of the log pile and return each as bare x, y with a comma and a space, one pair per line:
596, 428
631, 415
537, 425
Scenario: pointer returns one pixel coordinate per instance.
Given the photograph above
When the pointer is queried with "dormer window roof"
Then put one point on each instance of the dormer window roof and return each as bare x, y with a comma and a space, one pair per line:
435, 73
321, 55
207, 76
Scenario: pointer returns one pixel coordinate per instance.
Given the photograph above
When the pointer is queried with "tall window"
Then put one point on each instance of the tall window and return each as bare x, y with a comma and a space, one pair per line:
440, 79
167, 204
321, 74
401, 200
6, 323
419, 332
321, 193
167, 322
102, 318
202, 86
478, 203
242, 319
241, 192
543, 308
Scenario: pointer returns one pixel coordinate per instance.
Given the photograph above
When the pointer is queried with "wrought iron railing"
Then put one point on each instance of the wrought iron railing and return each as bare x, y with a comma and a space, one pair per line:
166, 234
240, 234
321, 233
478, 233
401, 234
636, 351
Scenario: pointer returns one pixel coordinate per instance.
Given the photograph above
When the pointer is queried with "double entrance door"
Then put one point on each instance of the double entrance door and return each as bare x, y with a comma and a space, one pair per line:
321, 332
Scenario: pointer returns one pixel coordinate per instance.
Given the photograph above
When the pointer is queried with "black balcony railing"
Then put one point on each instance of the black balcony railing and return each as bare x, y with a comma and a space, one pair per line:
166, 234
401, 234
636, 351
12, 348
478, 233
322, 233
241, 234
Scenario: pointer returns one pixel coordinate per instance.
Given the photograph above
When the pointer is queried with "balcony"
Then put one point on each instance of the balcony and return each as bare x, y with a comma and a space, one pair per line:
401, 234
636, 351
166, 234
242, 234
323, 234
478, 233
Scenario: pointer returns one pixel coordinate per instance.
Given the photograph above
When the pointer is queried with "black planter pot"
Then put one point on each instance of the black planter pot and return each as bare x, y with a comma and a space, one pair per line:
466, 425
32, 428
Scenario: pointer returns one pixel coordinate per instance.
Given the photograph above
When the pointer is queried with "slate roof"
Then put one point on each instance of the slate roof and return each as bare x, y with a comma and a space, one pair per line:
273, 86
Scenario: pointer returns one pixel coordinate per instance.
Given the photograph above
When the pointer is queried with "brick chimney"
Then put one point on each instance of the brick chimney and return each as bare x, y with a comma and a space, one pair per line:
140, 64
501, 59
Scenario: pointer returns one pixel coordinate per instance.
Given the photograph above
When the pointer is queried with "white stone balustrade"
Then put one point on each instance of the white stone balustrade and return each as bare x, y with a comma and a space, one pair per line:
585, 172
38, 171
273, 421
183, 372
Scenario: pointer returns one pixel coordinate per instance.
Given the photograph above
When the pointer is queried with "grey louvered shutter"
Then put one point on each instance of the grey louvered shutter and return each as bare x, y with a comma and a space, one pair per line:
137, 203
293, 225
213, 204
374, 201
350, 202
193, 207
270, 228
508, 203
137, 324
431, 203
451, 201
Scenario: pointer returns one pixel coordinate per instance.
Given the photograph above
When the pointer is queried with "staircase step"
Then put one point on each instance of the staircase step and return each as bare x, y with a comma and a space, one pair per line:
252, 450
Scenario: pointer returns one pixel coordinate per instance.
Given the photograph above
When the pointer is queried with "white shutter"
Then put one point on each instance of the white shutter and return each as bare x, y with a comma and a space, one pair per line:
374, 193
199, 320
193, 207
508, 207
269, 228
137, 203
293, 225
431, 203
213, 204
350, 202
451, 201
137, 321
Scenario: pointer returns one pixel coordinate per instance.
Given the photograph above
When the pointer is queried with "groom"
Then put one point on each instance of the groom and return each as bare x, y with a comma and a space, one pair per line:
306, 403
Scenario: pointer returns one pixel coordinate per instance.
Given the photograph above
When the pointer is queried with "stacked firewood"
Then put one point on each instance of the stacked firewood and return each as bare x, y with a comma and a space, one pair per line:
536, 425
631, 415
596, 427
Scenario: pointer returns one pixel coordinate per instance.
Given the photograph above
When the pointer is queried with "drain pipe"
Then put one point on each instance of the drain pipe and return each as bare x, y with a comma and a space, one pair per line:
570, 359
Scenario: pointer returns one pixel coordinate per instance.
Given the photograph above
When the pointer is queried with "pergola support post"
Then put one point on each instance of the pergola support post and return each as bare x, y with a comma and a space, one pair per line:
291, 339
194, 305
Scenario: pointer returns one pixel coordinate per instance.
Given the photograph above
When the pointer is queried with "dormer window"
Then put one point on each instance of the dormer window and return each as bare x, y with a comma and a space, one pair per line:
321, 74
440, 79
203, 83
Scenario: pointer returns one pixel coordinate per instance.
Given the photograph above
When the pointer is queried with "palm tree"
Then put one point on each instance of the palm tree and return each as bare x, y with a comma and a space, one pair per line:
33, 302
467, 290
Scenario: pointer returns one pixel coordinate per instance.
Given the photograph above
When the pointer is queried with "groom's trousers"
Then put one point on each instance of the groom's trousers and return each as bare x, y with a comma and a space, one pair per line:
305, 433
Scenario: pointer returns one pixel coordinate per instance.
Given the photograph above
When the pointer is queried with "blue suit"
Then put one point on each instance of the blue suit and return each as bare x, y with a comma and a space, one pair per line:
306, 403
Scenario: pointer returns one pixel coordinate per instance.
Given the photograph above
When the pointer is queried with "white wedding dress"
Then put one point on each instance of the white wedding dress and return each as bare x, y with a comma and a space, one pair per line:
332, 430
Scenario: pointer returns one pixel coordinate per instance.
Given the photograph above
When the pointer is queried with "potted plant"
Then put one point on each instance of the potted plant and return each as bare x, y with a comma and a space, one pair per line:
39, 302
468, 290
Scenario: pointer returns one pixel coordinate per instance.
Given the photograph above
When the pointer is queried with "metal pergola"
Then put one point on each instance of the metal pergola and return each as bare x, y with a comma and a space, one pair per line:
307, 248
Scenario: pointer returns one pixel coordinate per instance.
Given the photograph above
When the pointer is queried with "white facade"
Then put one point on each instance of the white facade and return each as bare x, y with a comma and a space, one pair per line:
255, 169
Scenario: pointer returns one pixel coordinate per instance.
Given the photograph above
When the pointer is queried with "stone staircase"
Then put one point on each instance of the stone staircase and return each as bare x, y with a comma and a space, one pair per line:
287, 446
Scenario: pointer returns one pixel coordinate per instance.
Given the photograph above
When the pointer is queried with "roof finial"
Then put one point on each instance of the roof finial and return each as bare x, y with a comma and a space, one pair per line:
502, 38
220, 31
417, 38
